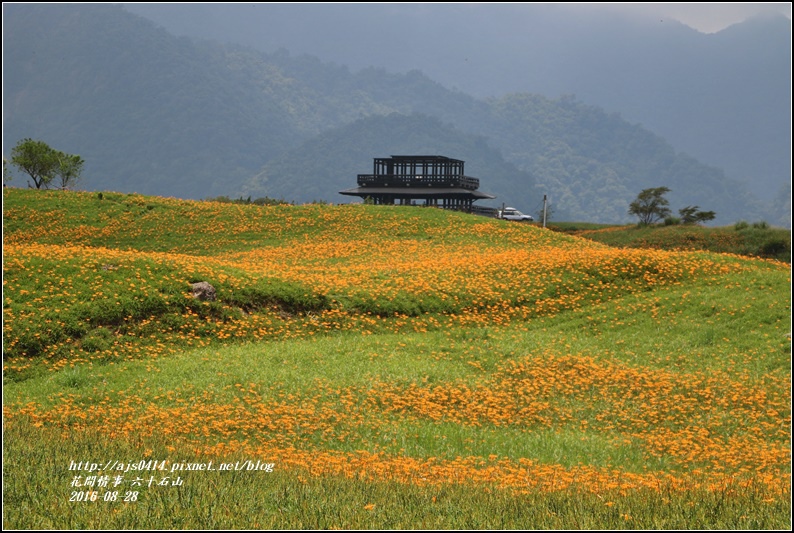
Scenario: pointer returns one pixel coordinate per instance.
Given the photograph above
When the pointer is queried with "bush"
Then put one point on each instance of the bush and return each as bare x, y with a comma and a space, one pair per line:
270, 201
247, 201
775, 248
98, 340
290, 297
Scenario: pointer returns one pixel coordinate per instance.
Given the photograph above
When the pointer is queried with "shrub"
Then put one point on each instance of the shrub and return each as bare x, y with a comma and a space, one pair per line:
98, 340
290, 297
774, 248
270, 201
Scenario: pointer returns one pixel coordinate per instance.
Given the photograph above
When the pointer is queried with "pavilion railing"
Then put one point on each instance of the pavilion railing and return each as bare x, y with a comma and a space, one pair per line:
421, 180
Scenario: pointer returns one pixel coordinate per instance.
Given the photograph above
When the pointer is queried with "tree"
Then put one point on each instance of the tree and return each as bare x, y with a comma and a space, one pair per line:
43, 163
650, 205
36, 159
69, 169
6, 174
692, 215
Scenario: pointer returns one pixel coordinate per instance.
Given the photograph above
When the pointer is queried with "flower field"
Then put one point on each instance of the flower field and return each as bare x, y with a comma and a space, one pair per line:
376, 355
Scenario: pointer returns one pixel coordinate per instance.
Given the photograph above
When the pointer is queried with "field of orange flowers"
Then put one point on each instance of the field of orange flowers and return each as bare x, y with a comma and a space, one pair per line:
399, 345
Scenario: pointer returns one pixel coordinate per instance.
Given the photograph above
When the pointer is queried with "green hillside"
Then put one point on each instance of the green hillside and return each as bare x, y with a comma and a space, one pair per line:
756, 240
381, 367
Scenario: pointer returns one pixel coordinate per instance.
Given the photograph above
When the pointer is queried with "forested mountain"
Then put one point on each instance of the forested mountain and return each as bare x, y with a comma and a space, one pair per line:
165, 115
724, 98
329, 162
147, 111
592, 162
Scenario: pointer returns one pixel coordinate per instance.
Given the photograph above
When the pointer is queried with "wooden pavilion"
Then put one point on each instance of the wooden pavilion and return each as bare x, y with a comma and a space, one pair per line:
432, 180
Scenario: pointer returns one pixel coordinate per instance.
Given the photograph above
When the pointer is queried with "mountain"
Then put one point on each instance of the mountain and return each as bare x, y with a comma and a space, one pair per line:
164, 115
592, 162
724, 98
149, 112
322, 166
588, 163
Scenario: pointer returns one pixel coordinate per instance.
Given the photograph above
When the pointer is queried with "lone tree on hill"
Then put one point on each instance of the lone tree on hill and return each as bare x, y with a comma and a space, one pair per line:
43, 163
650, 205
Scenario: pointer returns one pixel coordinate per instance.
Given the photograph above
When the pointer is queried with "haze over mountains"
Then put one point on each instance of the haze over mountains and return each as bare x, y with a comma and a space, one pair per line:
160, 114
718, 97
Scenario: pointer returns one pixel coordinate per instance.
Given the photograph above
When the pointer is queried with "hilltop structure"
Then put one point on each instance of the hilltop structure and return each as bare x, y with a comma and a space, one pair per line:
431, 180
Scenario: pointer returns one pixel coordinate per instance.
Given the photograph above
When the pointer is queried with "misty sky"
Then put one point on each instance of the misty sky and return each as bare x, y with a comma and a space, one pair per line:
707, 18
704, 17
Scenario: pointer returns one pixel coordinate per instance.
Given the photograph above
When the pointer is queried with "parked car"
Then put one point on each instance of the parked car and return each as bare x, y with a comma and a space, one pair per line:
511, 213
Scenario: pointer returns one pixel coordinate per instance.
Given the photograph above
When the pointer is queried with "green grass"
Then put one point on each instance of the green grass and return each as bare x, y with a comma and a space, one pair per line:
677, 364
754, 240
38, 497
208, 228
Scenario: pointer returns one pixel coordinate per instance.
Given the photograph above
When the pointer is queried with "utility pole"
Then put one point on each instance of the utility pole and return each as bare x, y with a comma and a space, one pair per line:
544, 210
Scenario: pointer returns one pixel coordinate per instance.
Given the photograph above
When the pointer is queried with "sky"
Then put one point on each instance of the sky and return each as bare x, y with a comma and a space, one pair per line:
704, 17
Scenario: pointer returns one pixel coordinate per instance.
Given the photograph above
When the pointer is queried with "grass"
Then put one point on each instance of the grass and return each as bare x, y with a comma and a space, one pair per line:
400, 368
753, 240
300, 500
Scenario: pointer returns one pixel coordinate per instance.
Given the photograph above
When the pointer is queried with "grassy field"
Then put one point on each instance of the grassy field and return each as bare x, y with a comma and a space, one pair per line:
756, 240
381, 367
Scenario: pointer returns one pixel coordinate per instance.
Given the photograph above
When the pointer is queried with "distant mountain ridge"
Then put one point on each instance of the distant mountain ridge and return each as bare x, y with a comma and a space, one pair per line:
723, 98
164, 115
322, 166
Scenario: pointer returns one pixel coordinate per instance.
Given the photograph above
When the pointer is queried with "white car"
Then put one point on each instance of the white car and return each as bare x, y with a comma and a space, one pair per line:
511, 213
